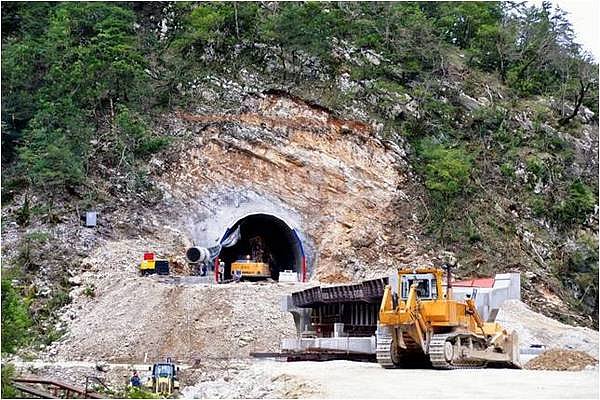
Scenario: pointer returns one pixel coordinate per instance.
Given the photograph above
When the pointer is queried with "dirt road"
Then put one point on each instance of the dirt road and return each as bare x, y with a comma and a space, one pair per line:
345, 379
252, 378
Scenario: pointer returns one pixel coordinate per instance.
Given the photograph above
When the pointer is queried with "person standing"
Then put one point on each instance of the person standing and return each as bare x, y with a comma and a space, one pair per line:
135, 379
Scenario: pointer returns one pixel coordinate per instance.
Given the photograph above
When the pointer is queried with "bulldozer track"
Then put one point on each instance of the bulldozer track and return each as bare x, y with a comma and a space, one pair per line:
410, 357
384, 350
437, 347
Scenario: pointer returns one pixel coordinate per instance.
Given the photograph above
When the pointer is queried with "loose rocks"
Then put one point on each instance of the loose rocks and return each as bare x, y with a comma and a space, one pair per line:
561, 360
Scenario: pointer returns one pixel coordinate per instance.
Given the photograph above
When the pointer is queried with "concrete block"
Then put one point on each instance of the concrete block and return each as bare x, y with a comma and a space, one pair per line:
366, 345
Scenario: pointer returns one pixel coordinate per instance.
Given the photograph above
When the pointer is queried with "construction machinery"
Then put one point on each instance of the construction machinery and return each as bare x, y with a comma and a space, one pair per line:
254, 266
164, 379
420, 324
251, 269
151, 265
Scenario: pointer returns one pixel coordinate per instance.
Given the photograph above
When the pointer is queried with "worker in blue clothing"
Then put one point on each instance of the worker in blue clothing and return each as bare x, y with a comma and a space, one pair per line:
135, 379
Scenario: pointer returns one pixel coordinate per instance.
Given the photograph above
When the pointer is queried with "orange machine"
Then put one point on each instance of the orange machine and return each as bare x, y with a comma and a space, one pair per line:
251, 269
421, 324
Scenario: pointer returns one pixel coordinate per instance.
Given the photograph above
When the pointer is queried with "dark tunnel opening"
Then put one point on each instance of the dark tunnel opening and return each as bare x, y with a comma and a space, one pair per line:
264, 238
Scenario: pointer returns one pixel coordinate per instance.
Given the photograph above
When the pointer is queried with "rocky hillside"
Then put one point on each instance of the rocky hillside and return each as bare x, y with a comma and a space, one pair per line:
387, 134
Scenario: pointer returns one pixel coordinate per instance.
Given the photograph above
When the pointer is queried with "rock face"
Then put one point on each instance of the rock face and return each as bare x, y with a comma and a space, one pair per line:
341, 188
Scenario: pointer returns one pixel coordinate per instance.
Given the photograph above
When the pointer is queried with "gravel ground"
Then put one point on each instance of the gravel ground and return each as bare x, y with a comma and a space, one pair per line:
146, 317
238, 379
345, 379
134, 319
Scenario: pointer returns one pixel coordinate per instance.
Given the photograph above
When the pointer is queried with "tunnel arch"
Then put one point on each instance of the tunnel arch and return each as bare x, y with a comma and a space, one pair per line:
282, 245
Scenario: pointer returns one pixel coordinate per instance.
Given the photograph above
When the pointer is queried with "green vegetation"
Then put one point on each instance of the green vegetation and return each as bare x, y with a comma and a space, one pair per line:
30, 248
577, 204
90, 291
82, 80
447, 170
75, 66
86, 84
8, 390
140, 393
581, 268
15, 318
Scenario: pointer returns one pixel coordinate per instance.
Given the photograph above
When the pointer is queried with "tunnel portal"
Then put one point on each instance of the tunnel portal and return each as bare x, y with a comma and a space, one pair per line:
265, 238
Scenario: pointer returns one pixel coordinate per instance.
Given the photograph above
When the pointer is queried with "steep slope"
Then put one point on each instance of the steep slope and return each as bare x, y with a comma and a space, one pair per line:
345, 189
371, 135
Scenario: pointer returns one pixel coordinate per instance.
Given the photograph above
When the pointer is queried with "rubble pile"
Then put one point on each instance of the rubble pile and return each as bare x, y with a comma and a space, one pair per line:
536, 329
238, 379
561, 360
153, 317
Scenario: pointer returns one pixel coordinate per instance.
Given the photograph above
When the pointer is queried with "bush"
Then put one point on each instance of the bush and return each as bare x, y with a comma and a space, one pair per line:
140, 393
90, 291
538, 205
537, 167
508, 170
15, 318
580, 272
8, 390
489, 118
584, 258
578, 204
50, 336
134, 138
30, 249
447, 170
60, 299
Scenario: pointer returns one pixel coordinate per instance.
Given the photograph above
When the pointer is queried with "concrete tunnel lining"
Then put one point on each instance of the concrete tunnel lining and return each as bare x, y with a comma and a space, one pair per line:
282, 245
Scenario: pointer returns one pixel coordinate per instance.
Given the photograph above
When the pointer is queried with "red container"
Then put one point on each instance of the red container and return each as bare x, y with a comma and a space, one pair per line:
148, 256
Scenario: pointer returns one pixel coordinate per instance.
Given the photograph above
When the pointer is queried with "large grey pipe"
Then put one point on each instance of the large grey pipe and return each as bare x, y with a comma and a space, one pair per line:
198, 255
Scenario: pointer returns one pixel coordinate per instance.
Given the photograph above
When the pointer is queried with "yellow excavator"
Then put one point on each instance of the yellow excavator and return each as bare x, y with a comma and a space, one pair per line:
420, 324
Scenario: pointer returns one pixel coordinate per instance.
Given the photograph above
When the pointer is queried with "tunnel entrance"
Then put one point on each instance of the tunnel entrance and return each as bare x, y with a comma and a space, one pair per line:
268, 239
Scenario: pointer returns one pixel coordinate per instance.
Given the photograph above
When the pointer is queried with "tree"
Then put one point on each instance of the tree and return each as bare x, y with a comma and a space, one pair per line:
15, 319
64, 81
460, 22
587, 83
447, 172
493, 47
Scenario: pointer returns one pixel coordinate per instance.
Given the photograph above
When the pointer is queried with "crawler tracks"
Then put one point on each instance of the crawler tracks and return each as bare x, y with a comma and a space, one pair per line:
384, 351
388, 355
443, 353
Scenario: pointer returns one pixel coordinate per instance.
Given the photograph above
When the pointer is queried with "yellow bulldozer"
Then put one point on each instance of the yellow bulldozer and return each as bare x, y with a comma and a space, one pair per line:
420, 324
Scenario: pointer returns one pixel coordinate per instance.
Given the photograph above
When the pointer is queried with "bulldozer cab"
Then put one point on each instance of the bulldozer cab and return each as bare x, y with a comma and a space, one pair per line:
426, 286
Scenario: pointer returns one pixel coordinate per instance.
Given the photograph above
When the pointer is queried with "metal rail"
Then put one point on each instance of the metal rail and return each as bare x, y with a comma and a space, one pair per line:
34, 391
54, 385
